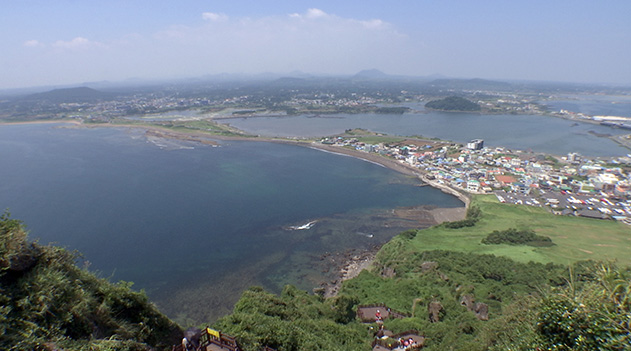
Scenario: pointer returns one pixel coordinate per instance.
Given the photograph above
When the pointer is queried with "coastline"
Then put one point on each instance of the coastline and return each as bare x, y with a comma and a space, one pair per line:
393, 165
207, 138
349, 265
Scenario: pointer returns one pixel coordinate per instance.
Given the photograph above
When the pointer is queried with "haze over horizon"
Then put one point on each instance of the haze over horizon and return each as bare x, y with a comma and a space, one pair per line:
69, 42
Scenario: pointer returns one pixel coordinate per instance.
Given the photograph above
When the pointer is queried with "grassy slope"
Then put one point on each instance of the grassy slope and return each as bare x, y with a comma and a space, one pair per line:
575, 238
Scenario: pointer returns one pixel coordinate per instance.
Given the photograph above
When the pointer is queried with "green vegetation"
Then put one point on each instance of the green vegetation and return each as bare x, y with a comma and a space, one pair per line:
392, 110
453, 103
590, 315
295, 320
533, 302
473, 216
512, 236
576, 238
531, 306
207, 126
46, 298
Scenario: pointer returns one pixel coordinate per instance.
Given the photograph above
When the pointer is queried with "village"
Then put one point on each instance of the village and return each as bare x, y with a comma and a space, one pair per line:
567, 185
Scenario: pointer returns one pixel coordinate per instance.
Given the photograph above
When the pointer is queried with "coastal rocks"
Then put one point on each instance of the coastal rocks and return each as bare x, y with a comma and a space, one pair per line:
349, 264
432, 267
420, 214
388, 272
435, 310
467, 301
480, 309
428, 266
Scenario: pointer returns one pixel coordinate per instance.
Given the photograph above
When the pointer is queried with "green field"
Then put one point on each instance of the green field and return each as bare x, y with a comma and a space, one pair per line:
377, 139
576, 238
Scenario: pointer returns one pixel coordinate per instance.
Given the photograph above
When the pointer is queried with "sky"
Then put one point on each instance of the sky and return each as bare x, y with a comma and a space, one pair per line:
65, 42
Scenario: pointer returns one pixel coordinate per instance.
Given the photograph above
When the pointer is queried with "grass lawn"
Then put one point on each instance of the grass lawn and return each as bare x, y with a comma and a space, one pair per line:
376, 139
576, 238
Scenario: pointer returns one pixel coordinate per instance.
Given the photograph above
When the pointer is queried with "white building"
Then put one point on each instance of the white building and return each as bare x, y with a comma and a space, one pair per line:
475, 144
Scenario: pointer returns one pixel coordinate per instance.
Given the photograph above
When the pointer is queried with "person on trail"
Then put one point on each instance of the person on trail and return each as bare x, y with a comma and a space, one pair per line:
378, 315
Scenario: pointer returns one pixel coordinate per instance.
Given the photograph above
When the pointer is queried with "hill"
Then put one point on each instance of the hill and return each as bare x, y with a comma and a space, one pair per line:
79, 94
49, 303
453, 103
371, 74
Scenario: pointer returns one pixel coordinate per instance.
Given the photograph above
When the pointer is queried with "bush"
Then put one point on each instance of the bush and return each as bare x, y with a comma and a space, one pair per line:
473, 216
461, 224
512, 236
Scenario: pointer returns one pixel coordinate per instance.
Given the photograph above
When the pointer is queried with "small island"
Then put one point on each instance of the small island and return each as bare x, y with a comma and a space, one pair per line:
453, 103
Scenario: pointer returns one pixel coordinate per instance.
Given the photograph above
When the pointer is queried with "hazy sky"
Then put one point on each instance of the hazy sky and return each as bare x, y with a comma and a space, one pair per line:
53, 42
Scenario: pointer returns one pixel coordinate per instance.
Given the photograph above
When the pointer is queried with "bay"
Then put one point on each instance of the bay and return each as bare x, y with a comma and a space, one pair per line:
593, 105
524, 132
192, 224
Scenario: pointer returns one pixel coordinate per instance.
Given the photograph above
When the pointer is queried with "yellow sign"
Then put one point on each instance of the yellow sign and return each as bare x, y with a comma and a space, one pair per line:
213, 332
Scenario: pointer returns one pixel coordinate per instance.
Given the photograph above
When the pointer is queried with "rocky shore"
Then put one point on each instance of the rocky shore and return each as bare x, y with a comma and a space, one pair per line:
348, 264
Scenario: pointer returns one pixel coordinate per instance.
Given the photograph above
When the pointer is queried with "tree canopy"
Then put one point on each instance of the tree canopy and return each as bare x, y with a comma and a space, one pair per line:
453, 103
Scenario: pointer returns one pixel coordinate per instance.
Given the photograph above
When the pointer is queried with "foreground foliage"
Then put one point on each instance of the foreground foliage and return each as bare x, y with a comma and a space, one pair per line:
531, 307
47, 300
593, 314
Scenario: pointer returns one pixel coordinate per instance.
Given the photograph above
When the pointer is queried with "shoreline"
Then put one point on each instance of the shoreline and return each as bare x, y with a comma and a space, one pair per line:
392, 165
199, 136
351, 265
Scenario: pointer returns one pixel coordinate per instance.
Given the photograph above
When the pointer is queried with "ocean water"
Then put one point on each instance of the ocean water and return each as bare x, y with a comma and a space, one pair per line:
524, 132
593, 105
192, 224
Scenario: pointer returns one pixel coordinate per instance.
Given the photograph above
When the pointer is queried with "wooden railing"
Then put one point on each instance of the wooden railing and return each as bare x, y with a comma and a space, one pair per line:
210, 336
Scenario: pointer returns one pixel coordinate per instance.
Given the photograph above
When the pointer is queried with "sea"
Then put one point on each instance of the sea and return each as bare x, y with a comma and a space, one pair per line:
535, 133
194, 225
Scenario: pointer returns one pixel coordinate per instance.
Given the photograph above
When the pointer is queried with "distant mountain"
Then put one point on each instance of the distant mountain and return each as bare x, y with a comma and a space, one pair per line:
79, 94
299, 74
289, 82
371, 74
469, 84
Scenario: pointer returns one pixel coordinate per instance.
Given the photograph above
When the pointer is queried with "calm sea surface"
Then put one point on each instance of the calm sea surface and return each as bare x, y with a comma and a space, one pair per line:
189, 222
593, 105
525, 132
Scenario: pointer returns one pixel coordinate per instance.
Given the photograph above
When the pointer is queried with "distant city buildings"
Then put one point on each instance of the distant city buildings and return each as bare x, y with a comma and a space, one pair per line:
581, 186
573, 157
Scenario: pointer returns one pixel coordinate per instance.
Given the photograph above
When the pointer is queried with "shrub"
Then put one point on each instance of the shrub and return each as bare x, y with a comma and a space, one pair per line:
512, 236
